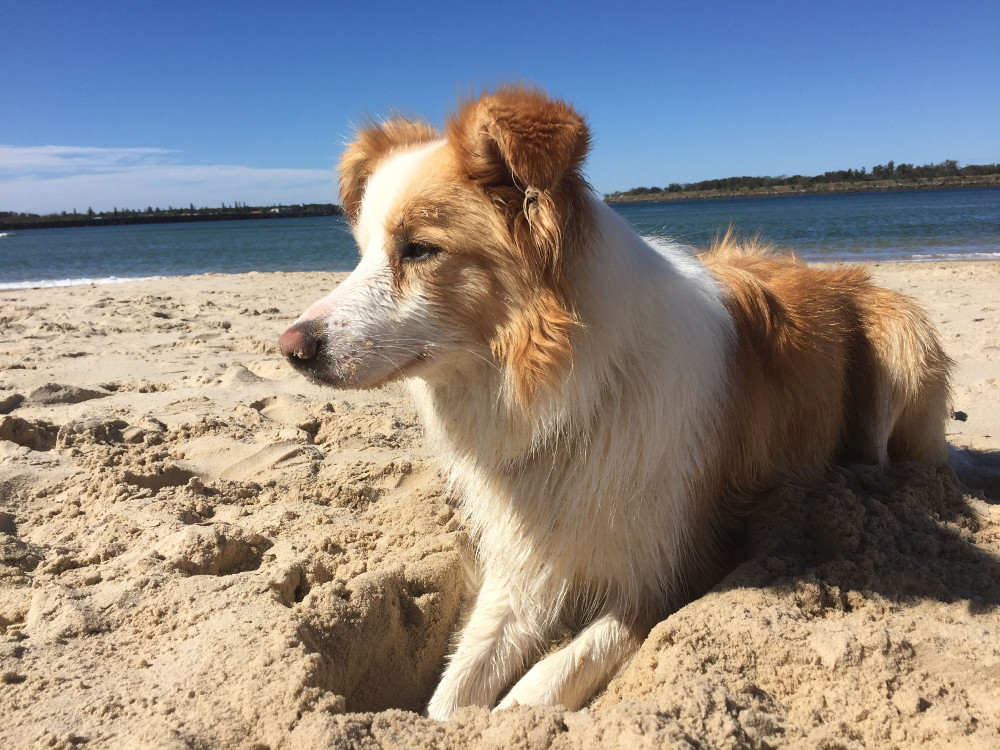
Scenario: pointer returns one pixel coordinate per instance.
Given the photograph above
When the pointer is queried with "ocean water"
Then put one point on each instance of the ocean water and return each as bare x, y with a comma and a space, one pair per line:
904, 225
959, 224
79, 255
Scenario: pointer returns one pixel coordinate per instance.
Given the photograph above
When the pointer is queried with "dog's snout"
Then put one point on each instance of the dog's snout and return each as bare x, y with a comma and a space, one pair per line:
301, 341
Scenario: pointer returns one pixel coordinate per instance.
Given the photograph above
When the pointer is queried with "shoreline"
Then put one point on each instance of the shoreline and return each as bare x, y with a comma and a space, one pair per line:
6, 286
168, 216
833, 188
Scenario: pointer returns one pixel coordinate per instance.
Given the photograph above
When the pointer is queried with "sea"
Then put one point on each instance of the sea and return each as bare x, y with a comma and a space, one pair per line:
941, 225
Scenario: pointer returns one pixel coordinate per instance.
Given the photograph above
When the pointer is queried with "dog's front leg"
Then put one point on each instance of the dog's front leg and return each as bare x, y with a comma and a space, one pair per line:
492, 648
573, 673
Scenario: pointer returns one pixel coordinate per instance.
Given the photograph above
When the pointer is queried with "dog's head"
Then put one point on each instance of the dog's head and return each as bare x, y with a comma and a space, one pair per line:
464, 240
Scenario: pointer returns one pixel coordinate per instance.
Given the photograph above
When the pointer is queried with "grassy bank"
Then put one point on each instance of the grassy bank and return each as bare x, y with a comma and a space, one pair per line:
658, 195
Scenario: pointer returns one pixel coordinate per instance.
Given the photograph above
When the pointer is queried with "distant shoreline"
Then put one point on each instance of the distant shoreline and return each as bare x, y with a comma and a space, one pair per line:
169, 216
874, 186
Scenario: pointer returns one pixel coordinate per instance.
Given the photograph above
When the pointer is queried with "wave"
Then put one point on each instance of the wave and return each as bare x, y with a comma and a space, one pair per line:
952, 256
6, 285
897, 255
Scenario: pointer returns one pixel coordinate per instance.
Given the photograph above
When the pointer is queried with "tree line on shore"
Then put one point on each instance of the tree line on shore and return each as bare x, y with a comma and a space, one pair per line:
881, 176
889, 172
150, 215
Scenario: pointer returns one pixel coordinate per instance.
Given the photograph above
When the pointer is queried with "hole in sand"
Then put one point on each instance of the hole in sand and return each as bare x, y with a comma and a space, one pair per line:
171, 476
383, 639
220, 550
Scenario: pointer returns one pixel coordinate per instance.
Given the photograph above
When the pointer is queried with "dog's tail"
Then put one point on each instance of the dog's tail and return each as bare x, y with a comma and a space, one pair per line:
904, 376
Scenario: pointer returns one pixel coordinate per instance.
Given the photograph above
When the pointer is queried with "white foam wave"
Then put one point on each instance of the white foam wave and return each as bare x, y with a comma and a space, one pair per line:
879, 256
956, 256
71, 282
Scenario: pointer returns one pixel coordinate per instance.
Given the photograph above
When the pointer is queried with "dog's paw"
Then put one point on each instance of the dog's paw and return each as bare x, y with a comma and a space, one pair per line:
531, 690
440, 708
508, 702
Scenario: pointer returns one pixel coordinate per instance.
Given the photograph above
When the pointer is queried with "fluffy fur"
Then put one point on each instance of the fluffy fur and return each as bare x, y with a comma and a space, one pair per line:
602, 404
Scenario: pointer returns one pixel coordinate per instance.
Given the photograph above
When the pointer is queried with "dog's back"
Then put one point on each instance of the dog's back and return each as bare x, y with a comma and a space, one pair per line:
826, 366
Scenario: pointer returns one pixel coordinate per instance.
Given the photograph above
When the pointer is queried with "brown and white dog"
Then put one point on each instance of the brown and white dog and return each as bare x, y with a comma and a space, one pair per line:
601, 402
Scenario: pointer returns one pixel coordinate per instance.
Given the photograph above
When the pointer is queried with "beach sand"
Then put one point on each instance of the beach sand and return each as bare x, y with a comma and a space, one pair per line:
198, 548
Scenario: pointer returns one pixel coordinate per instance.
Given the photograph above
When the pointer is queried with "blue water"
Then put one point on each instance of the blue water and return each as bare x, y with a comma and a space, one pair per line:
905, 225
82, 254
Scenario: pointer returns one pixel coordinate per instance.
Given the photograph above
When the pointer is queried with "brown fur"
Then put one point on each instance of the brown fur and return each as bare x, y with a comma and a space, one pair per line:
524, 150
827, 366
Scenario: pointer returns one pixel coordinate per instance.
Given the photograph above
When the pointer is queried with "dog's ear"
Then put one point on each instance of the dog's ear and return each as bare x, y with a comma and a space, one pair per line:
525, 149
523, 134
371, 144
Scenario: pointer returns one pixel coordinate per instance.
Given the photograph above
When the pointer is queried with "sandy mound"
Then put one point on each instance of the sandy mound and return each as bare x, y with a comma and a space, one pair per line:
200, 549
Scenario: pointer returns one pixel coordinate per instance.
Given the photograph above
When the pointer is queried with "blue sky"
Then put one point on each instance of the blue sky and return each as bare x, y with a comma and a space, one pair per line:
134, 104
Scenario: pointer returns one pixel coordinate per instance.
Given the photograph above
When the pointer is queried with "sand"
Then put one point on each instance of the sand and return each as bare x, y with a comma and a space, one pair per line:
200, 549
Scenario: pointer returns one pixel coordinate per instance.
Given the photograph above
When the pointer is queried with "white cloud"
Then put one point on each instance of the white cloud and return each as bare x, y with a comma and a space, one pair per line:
76, 158
49, 179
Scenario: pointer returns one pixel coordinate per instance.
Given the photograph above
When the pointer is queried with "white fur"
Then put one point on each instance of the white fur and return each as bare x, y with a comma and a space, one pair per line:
385, 188
583, 507
585, 504
362, 309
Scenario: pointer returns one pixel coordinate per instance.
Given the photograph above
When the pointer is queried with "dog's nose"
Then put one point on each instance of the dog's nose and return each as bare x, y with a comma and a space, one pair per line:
300, 342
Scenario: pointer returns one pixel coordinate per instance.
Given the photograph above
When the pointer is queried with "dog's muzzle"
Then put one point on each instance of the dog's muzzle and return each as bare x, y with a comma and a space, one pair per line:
342, 360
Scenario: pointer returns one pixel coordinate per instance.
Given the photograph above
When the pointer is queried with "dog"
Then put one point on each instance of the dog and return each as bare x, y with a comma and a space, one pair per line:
604, 405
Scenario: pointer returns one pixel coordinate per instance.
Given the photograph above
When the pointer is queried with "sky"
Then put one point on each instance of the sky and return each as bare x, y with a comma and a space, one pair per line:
113, 104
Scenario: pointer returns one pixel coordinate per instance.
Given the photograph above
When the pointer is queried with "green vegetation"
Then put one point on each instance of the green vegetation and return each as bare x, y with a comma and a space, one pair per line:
889, 176
237, 211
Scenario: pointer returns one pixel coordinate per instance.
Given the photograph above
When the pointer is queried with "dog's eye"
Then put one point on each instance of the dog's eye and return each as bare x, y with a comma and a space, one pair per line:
414, 251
